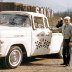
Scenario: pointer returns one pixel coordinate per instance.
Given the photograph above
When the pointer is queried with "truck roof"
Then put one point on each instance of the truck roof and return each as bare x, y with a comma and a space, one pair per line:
22, 12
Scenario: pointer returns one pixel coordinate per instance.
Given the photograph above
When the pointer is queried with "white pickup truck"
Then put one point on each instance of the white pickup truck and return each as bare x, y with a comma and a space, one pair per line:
26, 34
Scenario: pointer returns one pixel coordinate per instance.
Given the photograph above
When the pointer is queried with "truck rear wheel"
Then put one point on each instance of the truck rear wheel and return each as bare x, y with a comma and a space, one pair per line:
14, 57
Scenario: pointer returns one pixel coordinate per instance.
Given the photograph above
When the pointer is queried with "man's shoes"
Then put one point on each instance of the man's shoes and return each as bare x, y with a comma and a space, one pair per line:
63, 64
67, 64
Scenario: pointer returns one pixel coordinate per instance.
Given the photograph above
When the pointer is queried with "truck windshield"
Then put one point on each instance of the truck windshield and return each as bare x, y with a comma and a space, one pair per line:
14, 20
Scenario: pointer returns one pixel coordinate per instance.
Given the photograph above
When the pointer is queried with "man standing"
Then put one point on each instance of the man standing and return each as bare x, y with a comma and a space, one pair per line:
67, 33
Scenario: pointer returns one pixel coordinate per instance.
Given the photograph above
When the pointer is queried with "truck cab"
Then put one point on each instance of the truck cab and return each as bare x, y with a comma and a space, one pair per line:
26, 34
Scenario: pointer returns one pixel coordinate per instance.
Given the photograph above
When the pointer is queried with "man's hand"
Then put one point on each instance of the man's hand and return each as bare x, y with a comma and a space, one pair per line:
70, 44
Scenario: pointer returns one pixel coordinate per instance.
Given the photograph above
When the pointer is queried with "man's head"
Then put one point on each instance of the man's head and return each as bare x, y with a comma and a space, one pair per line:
67, 20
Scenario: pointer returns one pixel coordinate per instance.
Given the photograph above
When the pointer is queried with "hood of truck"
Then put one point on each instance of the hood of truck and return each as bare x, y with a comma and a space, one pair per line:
9, 32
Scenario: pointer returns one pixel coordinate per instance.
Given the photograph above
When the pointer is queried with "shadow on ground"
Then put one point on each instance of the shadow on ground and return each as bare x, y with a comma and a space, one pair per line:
28, 61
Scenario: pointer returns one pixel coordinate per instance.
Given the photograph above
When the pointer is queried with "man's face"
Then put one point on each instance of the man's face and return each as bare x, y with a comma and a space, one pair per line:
66, 21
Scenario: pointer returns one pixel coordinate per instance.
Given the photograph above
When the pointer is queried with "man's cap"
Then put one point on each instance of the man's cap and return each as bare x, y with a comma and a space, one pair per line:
67, 17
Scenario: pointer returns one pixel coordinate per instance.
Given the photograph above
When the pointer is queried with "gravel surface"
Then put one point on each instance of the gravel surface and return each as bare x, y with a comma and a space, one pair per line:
39, 64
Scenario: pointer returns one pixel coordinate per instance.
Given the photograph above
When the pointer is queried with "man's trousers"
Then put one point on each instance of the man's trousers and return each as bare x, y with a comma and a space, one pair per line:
66, 51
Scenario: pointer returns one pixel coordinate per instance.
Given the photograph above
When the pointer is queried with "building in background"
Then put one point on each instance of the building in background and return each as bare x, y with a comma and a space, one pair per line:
13, 6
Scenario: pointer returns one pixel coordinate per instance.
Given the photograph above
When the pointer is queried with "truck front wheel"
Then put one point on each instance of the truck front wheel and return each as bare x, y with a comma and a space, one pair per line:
14, 57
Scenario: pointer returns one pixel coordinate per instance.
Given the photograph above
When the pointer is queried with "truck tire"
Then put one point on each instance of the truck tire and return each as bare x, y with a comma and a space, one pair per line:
14, 57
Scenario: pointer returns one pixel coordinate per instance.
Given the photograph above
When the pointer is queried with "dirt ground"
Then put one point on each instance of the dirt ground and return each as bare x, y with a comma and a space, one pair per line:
40, 64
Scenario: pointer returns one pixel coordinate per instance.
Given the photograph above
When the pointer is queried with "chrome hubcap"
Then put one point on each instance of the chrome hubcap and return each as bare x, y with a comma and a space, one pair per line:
15, 57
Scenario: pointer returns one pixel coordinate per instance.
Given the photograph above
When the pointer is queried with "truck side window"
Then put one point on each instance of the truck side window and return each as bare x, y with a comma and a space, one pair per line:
27, 22
45, 20
38, 22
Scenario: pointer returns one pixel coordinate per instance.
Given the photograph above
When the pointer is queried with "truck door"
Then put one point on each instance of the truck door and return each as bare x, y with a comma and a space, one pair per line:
41, 37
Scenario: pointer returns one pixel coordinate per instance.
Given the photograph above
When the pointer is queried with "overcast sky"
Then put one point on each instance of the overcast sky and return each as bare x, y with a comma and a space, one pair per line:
56, 5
